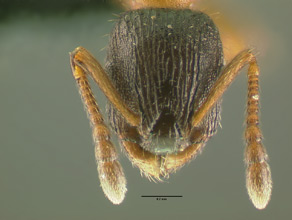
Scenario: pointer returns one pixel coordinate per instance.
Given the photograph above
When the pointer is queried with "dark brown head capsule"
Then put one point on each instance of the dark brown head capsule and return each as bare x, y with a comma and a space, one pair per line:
163, 63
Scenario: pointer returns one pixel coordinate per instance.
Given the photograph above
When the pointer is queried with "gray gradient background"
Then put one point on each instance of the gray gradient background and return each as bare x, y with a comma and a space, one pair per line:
47, 165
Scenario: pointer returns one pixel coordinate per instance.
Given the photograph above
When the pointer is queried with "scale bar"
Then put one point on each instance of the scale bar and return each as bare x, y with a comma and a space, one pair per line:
162, 196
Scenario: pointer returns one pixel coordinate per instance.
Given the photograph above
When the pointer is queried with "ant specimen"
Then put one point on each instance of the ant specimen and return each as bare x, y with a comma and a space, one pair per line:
164, 77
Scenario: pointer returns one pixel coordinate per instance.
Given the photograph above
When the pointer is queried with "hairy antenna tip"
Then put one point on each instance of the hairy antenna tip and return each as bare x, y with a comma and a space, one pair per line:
259, 184
112, 181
